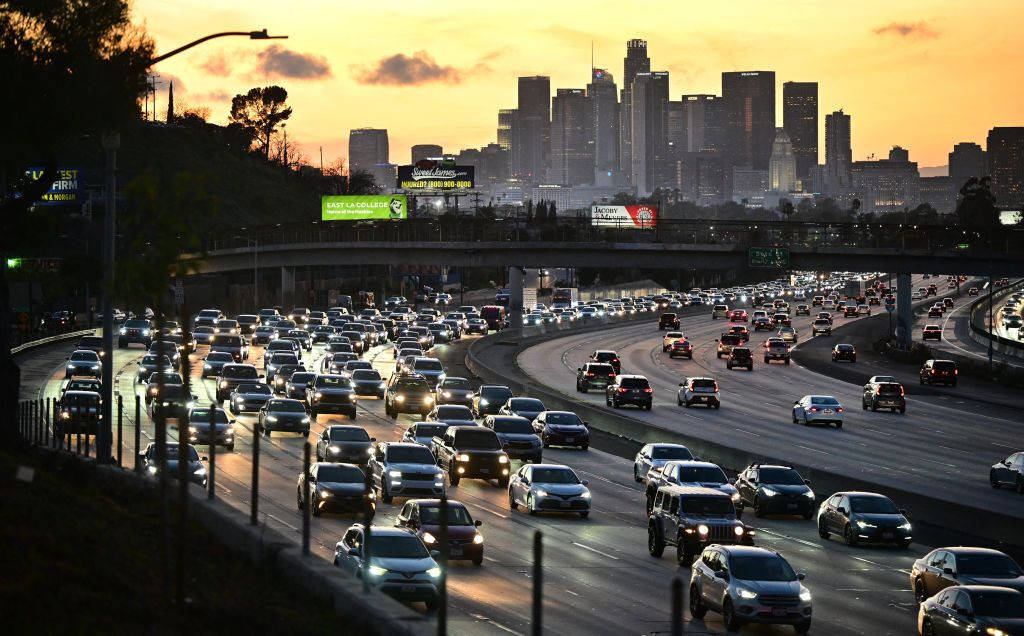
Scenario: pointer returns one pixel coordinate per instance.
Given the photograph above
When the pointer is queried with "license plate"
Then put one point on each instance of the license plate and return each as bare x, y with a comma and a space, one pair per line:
791, 506
887, 535
570, 440
409, 588
778, 611
828, 410
564, 504
456, 551
485, 470
703, 399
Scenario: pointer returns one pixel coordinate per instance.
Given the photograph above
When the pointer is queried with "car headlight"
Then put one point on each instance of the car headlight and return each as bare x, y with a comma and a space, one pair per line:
738, 531
429, 538
703, 529
906, 526
199, 472
151, 470
122, 331
206, 366
190, 405
229, 430
462, 457
223, 384
745, 593
865, 524
379, 571
271, 418
434, 572
502, 459
541, 492
71, 366
429, 399
334, 448
399, 398
369, 451
305, 420
478, 539
153, 390
768, 492
805, 594
447, 394
145, 332
735, 496
396, 474
585, 494
809, 494
95, 367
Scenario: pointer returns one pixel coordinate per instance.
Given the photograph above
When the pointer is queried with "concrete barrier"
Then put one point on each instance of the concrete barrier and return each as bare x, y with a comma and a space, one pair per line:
42, 342
980, 334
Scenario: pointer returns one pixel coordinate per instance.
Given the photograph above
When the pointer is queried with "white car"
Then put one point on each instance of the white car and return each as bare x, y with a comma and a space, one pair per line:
549, 488
699, 391
657, 455
818, 409
669, 338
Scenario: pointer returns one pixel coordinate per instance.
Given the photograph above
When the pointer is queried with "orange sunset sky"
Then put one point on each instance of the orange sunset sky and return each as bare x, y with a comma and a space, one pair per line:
923, 74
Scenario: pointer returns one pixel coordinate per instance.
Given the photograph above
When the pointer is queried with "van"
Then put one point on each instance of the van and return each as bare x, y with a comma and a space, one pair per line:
495, 317
719, 311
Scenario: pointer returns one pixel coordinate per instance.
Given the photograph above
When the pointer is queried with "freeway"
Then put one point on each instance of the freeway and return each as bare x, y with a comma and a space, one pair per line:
934, 449
598, 576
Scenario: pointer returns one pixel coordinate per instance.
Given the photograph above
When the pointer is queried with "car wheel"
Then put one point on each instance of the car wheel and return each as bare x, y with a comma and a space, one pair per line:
802, 627
919, 591
655, 546
298, 498
787, 360
807, 422
512, 505
432, 604
839, 425
453, 479
683, 554
503, 482
823, 528
759, 510
316, 512
584, 446
385, 496
478, 561
1020, 484
697, 609
848, 536
732, 622
584, 514
795, 420
230, 447
874, 407
529, 506
903, 410
636, 474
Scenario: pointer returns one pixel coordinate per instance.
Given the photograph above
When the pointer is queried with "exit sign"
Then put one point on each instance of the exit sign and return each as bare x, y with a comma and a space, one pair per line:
769, 257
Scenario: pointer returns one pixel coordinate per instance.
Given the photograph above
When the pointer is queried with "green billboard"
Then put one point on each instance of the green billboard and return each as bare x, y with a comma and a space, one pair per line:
351, 207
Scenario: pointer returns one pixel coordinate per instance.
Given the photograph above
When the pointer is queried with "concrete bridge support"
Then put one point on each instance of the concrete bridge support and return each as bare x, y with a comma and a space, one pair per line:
287, 288
904, 311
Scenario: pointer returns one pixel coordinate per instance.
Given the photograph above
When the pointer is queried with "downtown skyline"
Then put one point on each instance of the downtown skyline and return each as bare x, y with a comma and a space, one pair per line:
901, 75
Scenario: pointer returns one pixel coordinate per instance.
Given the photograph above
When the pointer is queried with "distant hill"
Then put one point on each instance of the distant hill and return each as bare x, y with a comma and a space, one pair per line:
250, 191
934, 171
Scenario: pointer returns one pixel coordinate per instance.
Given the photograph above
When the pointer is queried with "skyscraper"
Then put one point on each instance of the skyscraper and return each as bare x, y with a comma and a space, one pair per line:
782, 165
886, 185
648, 102
965, 161
368, 151
838, 152
675, 141
704, 117
750, 117
604, 104
1005, 150
419, 152
531, 129
636, 61
505, 118
572, 158
800, 119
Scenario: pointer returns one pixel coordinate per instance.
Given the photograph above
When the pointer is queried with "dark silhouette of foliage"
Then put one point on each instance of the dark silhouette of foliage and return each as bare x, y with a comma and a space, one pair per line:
260, 112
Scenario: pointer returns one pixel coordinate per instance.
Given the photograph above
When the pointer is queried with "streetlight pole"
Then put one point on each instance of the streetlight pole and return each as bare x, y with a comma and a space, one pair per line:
111, 142
88, 294
255, 268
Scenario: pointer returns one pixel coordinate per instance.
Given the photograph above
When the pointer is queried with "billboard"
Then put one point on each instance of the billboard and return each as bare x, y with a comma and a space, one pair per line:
66, 190
624, 216
352, 207
435, 175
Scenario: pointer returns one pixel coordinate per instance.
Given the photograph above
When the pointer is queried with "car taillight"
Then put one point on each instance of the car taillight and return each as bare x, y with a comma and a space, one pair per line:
716, 387
615, 359
814, 409
902, 393
590, 375
956, 371
878, 391
622, 390
611, 375
648, 390
933, 371
839, 410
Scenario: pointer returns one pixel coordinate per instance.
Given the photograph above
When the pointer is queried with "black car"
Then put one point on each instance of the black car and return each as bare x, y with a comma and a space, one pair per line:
175, 402
368, 382
864, 517
453, 390
283, 414
200, 432
973, 609
296, 385
80, 412
214, 362
231, 375
264, 335
83, 363
344, 443
525, 407
408, 394
169, 378
629, 389
884, 395
247, 323
594, 374
668, 321
336, 487
331, 394
775, 489
740, 357
939, 371
322, 333
91, 343
248, 397
284, 374
844, 352
148, 365
518, 438
944, 567
135, 332
204, 335
490, 398
1009, 472
195, 469
300, 336
562, 428
608, 357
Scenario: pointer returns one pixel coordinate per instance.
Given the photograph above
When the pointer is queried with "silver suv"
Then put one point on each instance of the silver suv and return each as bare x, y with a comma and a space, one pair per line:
749, 585
821, 327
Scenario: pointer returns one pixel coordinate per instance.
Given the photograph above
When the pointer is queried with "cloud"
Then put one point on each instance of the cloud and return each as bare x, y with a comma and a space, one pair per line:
212, 96
277, 61
403, 70
217, 65
919, 30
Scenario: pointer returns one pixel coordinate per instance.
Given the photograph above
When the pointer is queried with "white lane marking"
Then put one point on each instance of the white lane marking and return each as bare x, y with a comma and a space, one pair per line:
813, 450
491, 559
790, 538
743, 430
692, 417
608, 481
866, 428
1004, 446
949, 448
571, 592
595, 551
282, 522
489, 510
932, 461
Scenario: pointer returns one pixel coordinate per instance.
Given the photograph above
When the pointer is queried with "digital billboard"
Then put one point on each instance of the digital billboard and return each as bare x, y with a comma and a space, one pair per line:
624, 216
352, 207
435, 175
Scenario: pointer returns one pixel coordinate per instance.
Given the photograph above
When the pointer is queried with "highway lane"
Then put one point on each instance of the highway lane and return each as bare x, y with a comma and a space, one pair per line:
598, 577
935, 448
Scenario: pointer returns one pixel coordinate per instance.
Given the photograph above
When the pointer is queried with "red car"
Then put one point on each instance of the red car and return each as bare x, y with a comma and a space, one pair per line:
738, 315
681, 347
931, 332
935, 312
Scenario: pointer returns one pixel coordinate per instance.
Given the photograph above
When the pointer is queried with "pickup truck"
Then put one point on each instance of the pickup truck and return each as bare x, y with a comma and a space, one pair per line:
471, 452
668, 321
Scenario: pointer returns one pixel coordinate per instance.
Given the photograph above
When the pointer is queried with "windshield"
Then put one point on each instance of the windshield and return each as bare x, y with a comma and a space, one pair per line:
824, 401
261, 389
702, 474
209, 313
410, 455
634, 383
219, 356
605, 356
457, 516
413, 384
226, 341
873, 505
398, 547
671, 452
457, 383
845, 347
708, 506
428, 365
990, 564
349, 435
526, 404
240, 372
516, 425
285, 406
761, 568
366, 374
169, 378
554, 476
332, 382
91, 341
137, 324
454, 412
340, 474
781, 476
84, 356
564, 419
998, 604
429, 430
483, 439
202, 415
302, 377
172, 453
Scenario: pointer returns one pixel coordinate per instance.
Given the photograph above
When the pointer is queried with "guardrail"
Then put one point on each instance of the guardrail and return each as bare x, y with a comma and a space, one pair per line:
980, 331
42, 342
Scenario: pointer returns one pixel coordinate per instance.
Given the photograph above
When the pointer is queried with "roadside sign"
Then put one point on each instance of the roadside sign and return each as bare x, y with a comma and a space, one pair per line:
769, 257
890, 308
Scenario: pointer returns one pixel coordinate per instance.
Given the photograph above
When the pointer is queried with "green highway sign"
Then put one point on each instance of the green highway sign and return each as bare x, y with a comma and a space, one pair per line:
769, 257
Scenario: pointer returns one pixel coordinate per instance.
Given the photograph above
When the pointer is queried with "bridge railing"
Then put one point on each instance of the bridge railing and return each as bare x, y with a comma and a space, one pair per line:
690, 231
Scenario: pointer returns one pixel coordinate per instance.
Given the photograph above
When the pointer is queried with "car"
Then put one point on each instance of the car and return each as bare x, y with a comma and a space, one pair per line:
207, 318
83, 363
337, 487
939, 371
167, 348
408, 394
884, 393
737, 315
789, 335
517, 435
490, 398
91, 343
83, 384
226, 326
973, 291
762, 323
699, 390
844, 352
972, 609
284, 375
629, 389
149, 464
562, 428
935, 311
1008, 472
775, 489
525, 407
669, 338
135, 331
452, 415
399, 563
749, 584
368, 382
821, 327
283, 414
423, 433
691, 518
264, 335
233, 374
298, 382
818, 409
214, 362
430, 369
825, 315
148, 365
945, 567
175, 402
423, 516
344, 443
864, 517
471, 452
776, 349
740, 357
947, 302
593, 374
476, 326
781, 320
331, 393
549, 488
454, 390
931, 332
404, 469
719, 311
607, 357
301, 336
668, 321
222, 432
251, 397
693, 473
802, 309
80, 412
247, 323
726, 342
652, 456
681, 347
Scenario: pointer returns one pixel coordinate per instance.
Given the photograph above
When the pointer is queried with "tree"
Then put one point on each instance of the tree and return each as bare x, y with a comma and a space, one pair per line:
261, 111
170, 103
361, 182
977, 206
85, 55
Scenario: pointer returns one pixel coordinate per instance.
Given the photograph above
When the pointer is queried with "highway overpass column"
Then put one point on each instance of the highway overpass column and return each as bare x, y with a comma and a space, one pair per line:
515, 288
287, 287
904, 311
